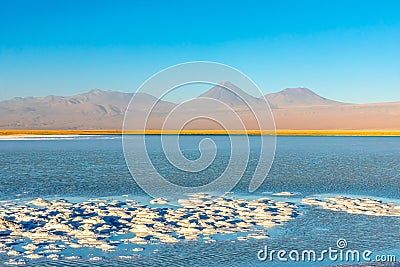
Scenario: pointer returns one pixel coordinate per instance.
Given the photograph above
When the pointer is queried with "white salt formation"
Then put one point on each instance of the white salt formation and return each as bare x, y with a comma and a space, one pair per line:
364, 206
46, 228
283, 194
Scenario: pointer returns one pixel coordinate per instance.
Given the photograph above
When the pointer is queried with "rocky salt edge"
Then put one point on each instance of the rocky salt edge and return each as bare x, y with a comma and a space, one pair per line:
361, 206
47, 228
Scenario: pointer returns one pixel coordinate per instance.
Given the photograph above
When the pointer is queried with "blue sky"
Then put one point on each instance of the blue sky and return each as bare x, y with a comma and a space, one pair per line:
344, 50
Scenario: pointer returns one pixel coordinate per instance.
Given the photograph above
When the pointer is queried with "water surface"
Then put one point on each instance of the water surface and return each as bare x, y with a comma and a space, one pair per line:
94, 167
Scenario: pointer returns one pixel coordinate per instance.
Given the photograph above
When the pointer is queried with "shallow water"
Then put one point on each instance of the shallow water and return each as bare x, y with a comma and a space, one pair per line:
95, 167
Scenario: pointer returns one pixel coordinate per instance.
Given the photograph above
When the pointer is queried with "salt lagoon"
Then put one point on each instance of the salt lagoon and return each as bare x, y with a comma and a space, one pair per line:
83, 177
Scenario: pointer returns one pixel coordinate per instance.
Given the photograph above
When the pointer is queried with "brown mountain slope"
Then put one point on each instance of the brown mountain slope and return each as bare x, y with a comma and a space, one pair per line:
231, 95
379, 116
96, 109
298, 97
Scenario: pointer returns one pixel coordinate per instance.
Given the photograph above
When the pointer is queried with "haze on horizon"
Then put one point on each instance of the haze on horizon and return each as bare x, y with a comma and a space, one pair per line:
347, 51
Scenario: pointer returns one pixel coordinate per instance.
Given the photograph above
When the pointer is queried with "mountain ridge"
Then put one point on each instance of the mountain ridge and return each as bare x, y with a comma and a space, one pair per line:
298, 96
214, 92
293, 108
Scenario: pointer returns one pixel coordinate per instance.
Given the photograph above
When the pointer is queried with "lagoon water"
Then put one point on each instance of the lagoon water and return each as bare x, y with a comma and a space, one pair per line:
94, 166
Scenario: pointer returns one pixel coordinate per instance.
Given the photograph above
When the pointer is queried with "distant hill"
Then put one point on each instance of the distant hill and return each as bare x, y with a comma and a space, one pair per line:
298, 97
229, 94
293, 108
96, 109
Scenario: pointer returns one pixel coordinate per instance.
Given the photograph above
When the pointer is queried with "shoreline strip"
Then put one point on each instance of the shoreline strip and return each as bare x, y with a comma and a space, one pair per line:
28, 132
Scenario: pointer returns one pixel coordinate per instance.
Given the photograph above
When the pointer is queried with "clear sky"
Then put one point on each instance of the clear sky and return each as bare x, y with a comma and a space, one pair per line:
345, 50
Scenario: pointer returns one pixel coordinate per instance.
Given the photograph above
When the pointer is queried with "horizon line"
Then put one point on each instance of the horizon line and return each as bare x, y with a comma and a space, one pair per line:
286, 132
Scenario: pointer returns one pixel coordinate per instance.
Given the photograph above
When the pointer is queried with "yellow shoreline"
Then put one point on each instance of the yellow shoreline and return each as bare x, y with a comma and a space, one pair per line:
208, 132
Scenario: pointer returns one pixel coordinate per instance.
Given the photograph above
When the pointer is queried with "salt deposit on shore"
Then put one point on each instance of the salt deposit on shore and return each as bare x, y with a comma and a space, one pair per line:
46, 228
283, 194
364, 206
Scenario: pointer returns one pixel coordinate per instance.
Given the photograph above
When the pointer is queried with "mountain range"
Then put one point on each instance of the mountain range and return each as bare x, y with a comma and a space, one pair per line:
292, 108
